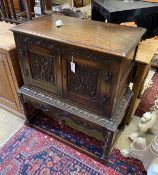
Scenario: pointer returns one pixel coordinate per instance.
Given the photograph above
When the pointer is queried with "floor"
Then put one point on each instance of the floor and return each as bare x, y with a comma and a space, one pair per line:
9, 125
123, 141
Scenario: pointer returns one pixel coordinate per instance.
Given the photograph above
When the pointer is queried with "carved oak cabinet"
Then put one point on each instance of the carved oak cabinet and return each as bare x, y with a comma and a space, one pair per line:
81, 69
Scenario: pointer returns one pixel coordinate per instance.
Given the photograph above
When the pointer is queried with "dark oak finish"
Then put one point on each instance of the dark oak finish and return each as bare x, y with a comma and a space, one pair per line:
97, 94
105, 38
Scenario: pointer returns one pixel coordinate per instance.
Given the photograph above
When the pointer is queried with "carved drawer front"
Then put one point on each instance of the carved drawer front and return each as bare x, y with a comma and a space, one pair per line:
42, 69
85, 86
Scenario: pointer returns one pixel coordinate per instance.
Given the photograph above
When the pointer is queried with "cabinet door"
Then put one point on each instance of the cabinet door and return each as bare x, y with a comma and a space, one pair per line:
8, 94
42, 69
85, 87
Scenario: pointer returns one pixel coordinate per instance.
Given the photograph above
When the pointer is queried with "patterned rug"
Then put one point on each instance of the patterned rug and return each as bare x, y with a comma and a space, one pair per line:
148, 97
32, 152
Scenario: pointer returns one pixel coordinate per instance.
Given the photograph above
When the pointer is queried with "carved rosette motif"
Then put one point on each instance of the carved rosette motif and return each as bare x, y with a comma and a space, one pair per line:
83, 82
42, 67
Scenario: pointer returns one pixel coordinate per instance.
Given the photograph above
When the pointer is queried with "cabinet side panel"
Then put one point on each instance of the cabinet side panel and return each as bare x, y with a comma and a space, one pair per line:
8, 86
124, 78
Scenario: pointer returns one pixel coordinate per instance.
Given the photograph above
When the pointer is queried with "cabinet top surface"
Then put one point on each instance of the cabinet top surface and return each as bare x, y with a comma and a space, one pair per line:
98, 36
6, 36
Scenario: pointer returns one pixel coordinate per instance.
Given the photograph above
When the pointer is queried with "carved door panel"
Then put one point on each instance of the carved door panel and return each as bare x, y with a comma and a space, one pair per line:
86, 86
42, 69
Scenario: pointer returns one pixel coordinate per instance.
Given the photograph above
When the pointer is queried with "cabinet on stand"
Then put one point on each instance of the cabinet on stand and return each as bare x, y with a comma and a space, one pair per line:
79, 71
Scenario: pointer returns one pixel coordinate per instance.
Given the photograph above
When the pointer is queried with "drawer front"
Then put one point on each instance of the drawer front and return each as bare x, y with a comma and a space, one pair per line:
87, 87
41, 68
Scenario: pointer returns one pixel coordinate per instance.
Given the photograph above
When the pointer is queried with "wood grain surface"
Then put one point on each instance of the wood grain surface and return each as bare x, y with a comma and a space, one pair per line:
107, 38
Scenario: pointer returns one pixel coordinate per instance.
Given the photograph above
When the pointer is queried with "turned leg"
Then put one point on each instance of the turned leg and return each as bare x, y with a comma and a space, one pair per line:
107, 144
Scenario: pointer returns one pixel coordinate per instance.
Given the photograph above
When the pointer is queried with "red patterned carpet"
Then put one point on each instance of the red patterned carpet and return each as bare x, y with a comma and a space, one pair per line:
148, 98
31, 152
